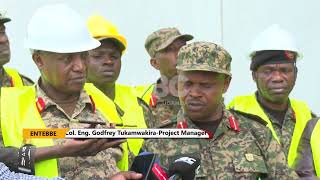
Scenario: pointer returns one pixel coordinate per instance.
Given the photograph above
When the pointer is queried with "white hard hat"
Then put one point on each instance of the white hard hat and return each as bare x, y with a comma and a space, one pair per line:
58, 28
273, 38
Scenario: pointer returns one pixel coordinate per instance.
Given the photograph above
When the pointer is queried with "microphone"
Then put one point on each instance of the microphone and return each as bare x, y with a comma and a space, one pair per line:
184, 167
147, 164
158, 172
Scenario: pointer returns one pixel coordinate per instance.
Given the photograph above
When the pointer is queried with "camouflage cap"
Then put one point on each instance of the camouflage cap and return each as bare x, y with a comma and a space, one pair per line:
3, 18
162, 38
204, 56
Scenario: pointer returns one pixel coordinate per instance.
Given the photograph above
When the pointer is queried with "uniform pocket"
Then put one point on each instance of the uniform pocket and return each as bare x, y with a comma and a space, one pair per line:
250, 163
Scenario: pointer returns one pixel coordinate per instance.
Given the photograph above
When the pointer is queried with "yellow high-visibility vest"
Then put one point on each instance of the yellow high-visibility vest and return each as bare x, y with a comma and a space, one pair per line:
132, 118
315, 147
249, 104
18, 111
104, 104
16, 78
144, 92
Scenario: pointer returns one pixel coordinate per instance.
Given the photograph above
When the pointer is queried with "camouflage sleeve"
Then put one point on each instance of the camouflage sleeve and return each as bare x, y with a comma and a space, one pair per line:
147, 113
112, 155
116, 153
275, 158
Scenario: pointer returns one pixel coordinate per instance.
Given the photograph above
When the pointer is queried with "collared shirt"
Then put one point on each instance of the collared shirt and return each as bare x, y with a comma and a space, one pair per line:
100, 166
5, 173
246, 150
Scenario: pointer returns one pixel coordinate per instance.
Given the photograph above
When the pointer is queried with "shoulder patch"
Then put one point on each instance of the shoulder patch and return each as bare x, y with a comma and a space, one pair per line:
169, 123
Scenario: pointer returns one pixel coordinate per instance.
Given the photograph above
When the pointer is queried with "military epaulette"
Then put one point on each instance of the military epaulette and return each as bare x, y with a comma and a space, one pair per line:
250, 116
169, 123
165, 125
26, 79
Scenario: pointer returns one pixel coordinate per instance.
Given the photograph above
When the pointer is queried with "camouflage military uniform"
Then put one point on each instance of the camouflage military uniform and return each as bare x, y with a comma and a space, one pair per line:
163, 108
245, 154
285, 130
100, 166
240, 148
93, 167
164, 105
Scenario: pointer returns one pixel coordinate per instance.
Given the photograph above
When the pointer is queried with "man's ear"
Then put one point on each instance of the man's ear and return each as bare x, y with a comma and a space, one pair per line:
227, 80
37, 59
155, 63
295, 73
254, 76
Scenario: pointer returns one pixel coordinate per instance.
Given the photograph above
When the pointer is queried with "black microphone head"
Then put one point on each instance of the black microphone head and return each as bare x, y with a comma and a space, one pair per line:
185, 166
143, 164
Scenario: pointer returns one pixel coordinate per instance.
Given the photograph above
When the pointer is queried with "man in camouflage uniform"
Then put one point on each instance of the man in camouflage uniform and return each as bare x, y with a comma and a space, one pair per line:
163, 46
5, 79
240, 148
62, 103
274, 70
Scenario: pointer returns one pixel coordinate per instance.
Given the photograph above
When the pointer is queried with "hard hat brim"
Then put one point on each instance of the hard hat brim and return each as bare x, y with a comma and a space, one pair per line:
80, 47
121, 42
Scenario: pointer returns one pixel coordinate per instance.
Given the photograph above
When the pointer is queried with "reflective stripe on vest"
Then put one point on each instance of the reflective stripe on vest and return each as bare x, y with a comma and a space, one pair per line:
18, 111
16, 78
315, 146
144, 92
249, 104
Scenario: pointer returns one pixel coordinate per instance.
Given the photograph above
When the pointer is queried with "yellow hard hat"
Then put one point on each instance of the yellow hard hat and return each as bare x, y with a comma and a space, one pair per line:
101, 29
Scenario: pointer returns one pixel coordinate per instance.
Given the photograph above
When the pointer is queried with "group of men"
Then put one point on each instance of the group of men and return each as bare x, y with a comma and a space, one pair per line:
262, 135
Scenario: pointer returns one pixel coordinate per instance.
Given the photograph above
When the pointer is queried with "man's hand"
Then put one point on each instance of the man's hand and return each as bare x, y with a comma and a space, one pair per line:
126, 175
88, 147
74, 148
